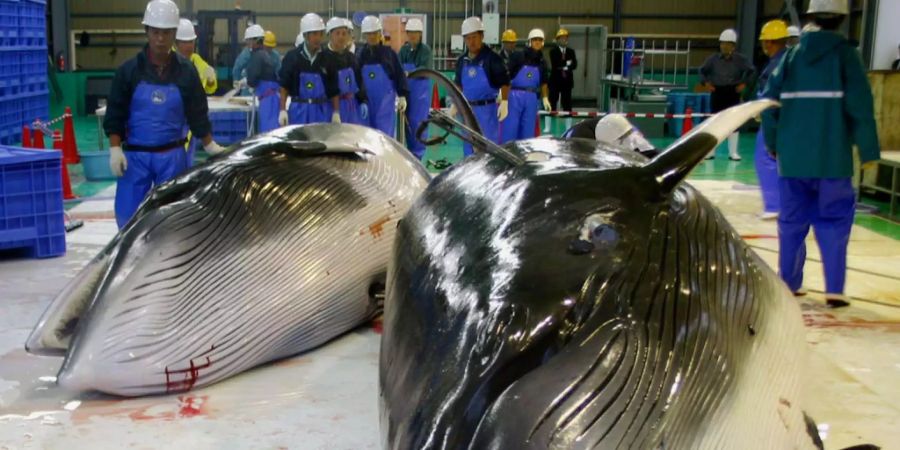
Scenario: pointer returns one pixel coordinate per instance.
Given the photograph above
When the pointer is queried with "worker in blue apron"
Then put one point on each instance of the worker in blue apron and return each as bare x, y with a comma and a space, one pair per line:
384, 78
481, 75
529, 81
415, 54
773, 38
263, 80
344, 84
302, 77
153, 96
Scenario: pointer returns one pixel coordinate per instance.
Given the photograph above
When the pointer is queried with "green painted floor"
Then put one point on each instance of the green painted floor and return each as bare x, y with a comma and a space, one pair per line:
718, 169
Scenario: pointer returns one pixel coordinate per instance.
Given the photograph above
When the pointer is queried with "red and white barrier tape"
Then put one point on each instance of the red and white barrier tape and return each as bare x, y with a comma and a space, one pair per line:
45, 126
630, 115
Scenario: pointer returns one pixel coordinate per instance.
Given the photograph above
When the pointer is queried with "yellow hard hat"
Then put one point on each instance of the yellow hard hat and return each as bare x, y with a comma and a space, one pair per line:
562, 32
774, 30
269, 39
509, 36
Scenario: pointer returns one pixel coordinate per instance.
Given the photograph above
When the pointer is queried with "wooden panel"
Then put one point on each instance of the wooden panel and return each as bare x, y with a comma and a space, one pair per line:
886, 90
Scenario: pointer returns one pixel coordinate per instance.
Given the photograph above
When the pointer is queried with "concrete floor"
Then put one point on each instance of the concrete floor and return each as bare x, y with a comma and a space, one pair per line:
327, 399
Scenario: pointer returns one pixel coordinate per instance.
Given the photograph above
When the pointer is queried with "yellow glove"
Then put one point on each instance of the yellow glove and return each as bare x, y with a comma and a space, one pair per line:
870, 165
335, 117
503, 110
546, 103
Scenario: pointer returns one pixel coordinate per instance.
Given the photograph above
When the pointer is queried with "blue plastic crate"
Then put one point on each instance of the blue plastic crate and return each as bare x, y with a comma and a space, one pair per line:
31, 202
32, 62
11, 114
33, 84
35, 107
9, 15
10, 135
229, 126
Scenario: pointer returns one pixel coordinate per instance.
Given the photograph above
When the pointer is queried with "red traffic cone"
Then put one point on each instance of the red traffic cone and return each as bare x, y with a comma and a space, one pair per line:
70, 148
67, 185
688, 121
537, 126
435, 98
26, 136
37, 139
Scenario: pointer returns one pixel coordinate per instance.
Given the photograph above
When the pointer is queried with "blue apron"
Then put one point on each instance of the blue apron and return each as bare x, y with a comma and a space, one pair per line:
477, 88
349, 107
269, 105
418, 105
382, 99
156, 118
523, 105
311, 105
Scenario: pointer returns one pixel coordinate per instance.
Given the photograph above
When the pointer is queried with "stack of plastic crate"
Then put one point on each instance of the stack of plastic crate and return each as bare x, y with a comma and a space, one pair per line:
23, 66
229, 126
31, 202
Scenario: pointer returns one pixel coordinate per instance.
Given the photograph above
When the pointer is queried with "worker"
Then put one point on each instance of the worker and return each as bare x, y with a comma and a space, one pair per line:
529, 80
383, 77
344, 83
415, 54
616, 129
263, 79
773, 38
270, 42
826, 109
793, 36
239, 71
480, 74
302, 77
185, 39
508, 39
725, 75
153, 96
562, 65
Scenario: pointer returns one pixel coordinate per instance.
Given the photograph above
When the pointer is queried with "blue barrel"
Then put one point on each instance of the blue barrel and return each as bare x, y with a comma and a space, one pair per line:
677, 103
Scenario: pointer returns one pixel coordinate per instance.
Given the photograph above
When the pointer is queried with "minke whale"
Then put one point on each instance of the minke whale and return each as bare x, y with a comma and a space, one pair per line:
588, 298
270, 250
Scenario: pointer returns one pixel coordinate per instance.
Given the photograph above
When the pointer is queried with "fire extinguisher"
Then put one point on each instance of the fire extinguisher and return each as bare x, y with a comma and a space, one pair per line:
61, 62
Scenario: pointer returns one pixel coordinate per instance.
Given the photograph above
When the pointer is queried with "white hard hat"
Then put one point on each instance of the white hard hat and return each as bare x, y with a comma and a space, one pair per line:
161, 14
335, 23
349, 24
254, 32
728, 35
299, 41
311, 22
536, 33
371, 24
828, 7
472, 25
185, 31
793, 31
414, 25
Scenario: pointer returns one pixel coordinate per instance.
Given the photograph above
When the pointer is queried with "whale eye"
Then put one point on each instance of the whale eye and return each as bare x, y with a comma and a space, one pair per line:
604, 234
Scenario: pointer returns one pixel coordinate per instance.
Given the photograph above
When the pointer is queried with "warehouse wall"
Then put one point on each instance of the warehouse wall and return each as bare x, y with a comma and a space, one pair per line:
282, 17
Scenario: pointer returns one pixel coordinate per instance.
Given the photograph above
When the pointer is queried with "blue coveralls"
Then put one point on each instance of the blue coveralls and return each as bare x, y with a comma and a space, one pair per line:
419, 95
263, 78
766, 165
304, 78
529, 68
150, 113
384, 79
345, 82
481, 79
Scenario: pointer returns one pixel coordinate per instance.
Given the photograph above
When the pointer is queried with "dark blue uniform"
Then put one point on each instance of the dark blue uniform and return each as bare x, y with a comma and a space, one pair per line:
151, 111
480, 79
304, 78
262, 77
345, 80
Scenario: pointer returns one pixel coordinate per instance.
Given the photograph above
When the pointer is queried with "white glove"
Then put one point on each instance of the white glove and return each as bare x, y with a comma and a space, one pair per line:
283, 118
213, 148
568, 63
546, 103
363, 111
118, 164
453, 111
238, 84
503, 110
335, 117
401, 104
210, 73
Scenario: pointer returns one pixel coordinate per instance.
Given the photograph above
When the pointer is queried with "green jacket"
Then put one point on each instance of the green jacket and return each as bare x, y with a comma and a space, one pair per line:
420, 57
826, 108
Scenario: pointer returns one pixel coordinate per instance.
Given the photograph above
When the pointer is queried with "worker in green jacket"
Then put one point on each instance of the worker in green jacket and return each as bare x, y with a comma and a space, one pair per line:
826, 108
